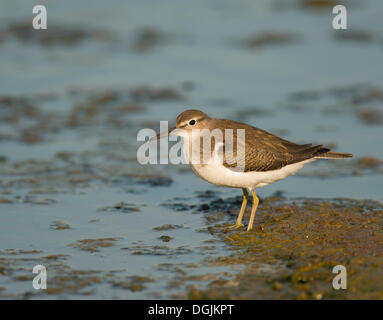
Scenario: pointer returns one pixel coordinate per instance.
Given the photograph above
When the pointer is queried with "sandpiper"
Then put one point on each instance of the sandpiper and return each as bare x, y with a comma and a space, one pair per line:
267, 158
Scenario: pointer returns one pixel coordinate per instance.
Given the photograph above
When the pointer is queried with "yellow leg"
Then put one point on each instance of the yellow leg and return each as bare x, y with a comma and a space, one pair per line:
239, 224
253, 209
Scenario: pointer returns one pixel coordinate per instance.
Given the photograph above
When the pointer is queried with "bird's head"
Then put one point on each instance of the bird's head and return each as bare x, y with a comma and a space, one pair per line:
185, 123
191, 119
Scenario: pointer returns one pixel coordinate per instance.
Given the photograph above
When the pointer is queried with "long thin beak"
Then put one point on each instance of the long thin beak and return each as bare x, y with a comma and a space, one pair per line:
162, 134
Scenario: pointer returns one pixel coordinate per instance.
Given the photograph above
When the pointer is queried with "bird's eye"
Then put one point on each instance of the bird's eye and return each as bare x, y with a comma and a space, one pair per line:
192, 122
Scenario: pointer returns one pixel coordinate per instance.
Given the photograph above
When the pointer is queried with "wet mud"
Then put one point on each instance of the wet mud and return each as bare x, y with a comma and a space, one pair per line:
295, 246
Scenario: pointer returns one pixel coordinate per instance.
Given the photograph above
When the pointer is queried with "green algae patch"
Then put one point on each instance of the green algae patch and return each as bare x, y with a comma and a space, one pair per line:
165, 238
157, 250
60, 225
294, 247
133, 283
122, 207
166, 227
94, 245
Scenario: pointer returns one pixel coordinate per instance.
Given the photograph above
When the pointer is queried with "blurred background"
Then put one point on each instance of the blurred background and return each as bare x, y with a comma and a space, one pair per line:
74, 96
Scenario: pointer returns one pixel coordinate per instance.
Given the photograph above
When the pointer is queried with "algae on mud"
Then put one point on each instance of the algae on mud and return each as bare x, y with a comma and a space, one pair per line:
296, 244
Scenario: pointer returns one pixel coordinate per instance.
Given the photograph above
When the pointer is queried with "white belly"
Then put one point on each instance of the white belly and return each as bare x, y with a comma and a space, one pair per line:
220, 175
215, 172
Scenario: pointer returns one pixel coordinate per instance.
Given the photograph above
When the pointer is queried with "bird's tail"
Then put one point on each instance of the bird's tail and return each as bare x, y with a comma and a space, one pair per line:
333, 155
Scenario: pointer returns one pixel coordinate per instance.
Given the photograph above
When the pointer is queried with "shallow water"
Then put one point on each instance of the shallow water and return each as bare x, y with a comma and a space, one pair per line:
311, 88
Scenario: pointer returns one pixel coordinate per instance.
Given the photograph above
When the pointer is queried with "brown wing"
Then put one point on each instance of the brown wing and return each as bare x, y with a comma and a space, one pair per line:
265, 151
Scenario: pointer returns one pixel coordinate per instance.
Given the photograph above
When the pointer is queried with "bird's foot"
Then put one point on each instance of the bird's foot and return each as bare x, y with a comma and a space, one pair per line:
236, 226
